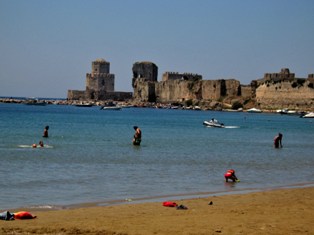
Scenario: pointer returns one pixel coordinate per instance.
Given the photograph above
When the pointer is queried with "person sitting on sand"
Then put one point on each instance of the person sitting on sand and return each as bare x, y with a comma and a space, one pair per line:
230, 174
277, 141
137, 136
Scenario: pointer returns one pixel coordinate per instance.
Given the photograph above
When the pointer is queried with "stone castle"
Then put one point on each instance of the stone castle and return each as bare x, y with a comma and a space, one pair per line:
99, 85
273, 91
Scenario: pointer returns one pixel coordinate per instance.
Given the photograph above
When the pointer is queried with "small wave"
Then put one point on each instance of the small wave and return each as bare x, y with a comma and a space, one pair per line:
45, 207
30, 146
232, 127
24, 146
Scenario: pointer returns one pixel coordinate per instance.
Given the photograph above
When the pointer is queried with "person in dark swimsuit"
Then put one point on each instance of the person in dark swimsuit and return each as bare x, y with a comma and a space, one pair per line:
45, 135
277, 141
137, 136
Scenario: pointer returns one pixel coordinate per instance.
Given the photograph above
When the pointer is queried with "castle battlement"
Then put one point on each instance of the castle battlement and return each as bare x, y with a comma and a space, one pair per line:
283, 75
99, 75
181, 76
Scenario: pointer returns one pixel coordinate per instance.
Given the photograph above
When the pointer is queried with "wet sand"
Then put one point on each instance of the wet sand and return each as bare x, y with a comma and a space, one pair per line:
283, 211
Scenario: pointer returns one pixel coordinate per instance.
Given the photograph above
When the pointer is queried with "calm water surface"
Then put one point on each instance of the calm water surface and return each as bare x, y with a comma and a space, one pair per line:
89, 156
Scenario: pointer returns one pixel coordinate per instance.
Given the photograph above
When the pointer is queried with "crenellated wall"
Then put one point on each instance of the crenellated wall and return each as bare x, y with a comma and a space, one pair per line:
274, 91
177, 90
181, 76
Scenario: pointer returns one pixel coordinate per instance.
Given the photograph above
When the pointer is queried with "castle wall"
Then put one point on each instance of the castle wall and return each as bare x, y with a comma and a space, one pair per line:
211, 89
298, 93
76, 95
144, 90
118, 95
100, 82
178, 90
247, 92
181, 76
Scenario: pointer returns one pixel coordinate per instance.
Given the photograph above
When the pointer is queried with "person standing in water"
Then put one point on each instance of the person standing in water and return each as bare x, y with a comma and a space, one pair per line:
137, 136
45, 135
277, 141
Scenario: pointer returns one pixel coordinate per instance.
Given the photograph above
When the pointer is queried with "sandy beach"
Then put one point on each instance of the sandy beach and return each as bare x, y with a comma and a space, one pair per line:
283, 211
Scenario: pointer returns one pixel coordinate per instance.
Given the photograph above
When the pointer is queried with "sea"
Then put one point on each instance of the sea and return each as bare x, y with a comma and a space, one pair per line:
89, 159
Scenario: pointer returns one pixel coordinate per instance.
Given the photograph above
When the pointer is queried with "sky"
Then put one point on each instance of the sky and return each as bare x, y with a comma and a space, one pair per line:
47, 46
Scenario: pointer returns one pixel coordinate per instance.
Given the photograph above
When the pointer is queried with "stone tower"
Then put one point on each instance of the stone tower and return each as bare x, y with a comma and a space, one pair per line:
144, 78
99, 81
144, 70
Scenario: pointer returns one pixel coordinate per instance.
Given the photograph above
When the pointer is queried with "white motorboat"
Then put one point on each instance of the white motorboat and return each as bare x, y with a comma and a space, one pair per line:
84, 105
309, 115
110, 108
254, 110
213, 123
287, 111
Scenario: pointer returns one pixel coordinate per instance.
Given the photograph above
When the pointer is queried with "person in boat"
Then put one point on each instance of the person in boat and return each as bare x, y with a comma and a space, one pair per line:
137, 136
45, 135
230, 174
278, 141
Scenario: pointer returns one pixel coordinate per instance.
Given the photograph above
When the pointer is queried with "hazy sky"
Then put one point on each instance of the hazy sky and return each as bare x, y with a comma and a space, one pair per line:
47, 46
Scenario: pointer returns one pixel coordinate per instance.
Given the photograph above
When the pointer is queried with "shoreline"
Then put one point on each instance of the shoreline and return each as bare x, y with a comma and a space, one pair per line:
160, 198
281, 211
131, 103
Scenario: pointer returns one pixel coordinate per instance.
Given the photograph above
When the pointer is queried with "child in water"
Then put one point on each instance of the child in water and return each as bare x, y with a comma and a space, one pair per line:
230, 174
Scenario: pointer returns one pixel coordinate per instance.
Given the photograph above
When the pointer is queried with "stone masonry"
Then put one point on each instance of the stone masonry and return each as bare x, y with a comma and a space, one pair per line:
99, 85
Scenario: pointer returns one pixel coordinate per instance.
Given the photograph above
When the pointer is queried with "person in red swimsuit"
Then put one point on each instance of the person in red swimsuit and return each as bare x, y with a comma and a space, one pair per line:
230, 174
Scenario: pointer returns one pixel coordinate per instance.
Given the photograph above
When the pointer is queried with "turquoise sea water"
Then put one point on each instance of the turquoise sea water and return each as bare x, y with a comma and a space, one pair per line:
89, 156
